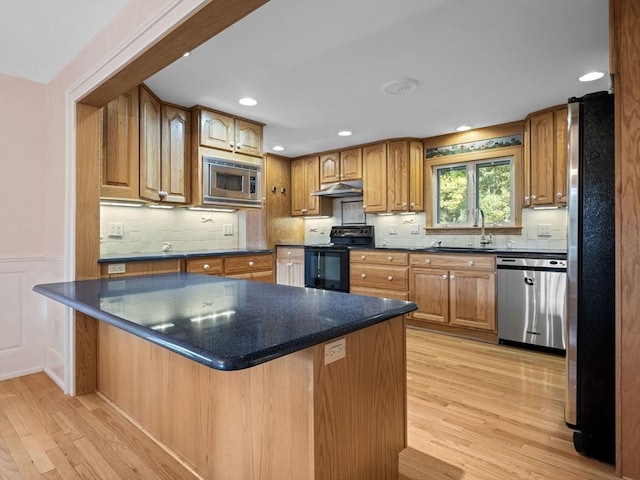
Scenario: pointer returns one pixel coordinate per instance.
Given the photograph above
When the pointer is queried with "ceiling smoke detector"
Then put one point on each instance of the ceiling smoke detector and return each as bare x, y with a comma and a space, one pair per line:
400, 86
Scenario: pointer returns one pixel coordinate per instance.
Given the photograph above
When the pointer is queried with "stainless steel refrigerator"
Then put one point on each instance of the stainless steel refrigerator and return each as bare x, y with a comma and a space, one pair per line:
590, 400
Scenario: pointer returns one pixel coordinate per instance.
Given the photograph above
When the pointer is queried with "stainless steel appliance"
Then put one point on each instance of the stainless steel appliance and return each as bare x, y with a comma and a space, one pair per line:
232, 183
327, 266
590, 402
531, 302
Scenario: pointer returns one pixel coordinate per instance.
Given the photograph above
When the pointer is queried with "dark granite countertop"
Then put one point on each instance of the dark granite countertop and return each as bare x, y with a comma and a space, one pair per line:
502, 251
133, 257
223, 323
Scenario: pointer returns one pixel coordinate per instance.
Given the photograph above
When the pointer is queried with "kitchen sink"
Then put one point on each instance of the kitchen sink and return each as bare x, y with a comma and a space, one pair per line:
463, 249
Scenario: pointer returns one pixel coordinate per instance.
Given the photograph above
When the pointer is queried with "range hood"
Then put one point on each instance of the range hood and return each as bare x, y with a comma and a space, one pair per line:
340, 189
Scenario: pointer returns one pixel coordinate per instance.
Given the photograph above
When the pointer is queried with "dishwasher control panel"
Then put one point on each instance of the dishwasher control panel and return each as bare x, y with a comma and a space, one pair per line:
531, 263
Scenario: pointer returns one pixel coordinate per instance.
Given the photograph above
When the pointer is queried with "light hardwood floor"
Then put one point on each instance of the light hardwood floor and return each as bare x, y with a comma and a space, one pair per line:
476, 412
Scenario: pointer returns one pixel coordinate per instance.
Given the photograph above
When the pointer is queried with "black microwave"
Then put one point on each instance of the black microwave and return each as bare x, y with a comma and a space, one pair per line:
232, 183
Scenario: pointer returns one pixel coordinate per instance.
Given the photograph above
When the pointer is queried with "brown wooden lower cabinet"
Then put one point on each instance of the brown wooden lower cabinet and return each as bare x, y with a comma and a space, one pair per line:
257, 267
454, 292
292, 418
379, 273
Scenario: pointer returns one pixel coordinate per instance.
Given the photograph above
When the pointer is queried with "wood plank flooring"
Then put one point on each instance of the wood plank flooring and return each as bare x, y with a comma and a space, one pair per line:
476, 412
45, 434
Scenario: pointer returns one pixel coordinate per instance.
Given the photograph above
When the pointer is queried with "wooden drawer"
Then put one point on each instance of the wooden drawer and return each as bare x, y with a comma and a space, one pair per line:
248, 263
378, 257
380, 293
147, 267
290, 254
208, 265
376, 276
459, 262
265, 276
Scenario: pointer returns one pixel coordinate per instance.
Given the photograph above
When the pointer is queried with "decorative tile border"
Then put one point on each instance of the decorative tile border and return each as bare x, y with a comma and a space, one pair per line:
469, 147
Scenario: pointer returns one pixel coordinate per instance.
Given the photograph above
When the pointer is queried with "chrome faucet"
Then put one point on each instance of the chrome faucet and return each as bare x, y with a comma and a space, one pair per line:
483, 239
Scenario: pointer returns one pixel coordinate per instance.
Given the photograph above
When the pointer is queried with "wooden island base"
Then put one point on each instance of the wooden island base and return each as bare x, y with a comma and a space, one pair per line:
290, 418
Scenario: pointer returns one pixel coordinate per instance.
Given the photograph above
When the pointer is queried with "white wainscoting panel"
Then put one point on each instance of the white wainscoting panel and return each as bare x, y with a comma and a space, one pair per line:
31, 327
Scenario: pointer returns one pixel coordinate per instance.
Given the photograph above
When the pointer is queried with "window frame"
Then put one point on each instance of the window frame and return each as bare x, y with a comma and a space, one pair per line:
516, 155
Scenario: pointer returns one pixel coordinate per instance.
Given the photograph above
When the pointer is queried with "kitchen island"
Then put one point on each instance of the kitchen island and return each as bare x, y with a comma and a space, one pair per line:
244, 380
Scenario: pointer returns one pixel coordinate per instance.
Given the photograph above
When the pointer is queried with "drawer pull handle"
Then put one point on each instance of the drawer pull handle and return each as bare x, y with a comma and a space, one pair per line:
427, 260
390, 278
390, 258
444, 277
363, 257
289, 252
363, 275
206, 266
252, 263
470, 262
452, 277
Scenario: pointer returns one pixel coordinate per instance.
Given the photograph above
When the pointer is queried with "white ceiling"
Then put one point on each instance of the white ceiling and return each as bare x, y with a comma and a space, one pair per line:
319, 66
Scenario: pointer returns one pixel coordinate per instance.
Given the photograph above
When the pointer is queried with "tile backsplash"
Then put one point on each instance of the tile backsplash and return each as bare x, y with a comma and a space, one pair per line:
146, 230
408, 231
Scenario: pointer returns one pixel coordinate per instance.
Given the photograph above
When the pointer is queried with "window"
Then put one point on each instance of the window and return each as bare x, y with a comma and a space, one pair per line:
462, 188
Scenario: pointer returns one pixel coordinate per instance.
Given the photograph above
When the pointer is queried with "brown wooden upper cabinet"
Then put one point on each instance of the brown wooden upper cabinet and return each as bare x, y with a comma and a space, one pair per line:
545, 157
224, 132
119, 148
341, 166
374, 178
405, 180
164, 150
305, 178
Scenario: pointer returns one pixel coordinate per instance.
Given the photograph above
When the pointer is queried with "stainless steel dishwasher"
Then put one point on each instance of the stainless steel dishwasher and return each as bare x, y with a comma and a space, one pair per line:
531, 302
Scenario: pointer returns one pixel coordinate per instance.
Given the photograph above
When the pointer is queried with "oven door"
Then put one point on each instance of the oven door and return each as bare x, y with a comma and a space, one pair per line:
326, 268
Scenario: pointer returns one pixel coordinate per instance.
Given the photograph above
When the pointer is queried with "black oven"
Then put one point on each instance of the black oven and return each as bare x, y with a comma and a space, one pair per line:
327, 266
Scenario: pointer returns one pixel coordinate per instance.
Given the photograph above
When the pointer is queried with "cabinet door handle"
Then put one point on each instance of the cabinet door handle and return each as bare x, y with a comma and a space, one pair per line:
390, 278
413, 204
206, 266
162, 194
404, 204
526, 199
252, 263
444, 277
363, 275
452, 277
470, 263
533, 197
559, 194
289, 253
289, 264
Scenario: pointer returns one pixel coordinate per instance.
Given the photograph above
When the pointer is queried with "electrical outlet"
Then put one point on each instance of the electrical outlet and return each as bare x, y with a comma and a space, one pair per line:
335, 351
117, 268
393, 229
115, 229
544, 229
415, 229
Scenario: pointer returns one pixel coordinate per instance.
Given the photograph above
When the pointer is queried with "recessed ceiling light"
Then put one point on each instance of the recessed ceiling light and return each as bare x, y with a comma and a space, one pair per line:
463, 128
344, 133
400, 86
278, 148
591, 76
248, 102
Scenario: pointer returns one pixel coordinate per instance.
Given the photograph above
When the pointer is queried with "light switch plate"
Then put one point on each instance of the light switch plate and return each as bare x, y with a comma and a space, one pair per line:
227, 229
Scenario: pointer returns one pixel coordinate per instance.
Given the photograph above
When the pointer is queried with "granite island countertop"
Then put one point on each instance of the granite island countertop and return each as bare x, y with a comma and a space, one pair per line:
223, 323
